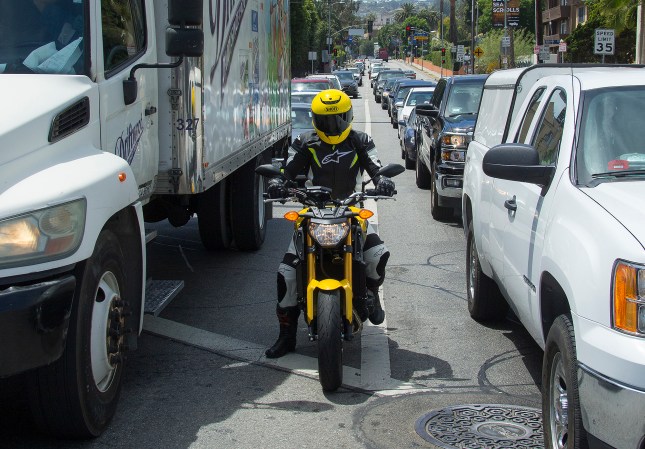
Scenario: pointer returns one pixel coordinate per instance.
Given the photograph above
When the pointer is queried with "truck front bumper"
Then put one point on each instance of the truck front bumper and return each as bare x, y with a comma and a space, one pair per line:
34, 319
449, 181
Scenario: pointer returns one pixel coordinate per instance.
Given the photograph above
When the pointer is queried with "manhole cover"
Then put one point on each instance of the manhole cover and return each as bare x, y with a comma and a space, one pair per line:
487, 426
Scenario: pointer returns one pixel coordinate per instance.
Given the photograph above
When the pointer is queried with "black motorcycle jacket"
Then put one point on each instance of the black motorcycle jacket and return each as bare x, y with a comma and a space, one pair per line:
338, 167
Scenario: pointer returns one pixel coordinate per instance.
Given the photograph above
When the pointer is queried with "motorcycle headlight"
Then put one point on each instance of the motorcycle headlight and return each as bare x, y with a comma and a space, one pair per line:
42, 235
328, 234
628, 300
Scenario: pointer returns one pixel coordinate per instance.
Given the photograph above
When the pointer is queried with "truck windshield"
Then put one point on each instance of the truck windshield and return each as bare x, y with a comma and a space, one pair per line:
42, 36
464, 99
611, 140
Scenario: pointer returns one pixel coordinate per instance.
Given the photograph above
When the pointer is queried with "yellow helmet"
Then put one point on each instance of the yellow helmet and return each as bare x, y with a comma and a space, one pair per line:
332, 115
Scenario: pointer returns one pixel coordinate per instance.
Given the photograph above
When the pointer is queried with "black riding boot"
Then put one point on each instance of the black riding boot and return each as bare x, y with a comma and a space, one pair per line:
377, 314
288, 319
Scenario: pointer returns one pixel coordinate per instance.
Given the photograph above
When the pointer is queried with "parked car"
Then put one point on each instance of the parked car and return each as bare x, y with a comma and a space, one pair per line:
553, 212
347, 82
409, 73
409, 141
398, 94
445, 131
373, 73
387, 88
308, 84
333, 79
301, 119
380, 80
357, 75
416, 96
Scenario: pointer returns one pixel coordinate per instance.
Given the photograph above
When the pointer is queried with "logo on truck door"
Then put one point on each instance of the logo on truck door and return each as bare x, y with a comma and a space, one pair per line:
128, 142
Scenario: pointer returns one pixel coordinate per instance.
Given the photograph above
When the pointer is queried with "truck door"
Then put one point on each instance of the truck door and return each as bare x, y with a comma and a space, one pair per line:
525, 227
127, 37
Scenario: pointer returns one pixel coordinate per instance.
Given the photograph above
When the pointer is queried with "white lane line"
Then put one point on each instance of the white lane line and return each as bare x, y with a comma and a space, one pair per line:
254, 353
368, 119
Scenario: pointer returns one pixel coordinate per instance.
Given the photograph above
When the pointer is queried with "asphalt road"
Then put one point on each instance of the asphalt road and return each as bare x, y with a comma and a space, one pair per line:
199, 378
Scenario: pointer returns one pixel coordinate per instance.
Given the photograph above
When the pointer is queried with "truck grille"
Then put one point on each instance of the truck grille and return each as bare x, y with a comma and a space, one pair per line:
70, 120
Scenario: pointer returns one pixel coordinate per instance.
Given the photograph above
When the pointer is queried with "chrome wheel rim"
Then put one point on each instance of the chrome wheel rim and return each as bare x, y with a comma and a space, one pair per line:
558, 404
107, 331
472, 257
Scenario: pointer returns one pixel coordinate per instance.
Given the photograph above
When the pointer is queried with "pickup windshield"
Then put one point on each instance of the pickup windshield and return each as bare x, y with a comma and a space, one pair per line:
611, 142
464, 99
42, 36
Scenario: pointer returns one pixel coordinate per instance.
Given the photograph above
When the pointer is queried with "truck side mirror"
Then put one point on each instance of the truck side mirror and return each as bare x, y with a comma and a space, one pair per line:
184, 42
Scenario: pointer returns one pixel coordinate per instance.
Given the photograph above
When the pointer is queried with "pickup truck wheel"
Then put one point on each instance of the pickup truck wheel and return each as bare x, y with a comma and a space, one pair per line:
485, 301
76, 396
409, 163
438, 212
422, 174
213, 217
248, 211
560, 399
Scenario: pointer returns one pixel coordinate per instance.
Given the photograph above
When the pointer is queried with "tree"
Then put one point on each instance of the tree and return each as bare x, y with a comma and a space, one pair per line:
407, 10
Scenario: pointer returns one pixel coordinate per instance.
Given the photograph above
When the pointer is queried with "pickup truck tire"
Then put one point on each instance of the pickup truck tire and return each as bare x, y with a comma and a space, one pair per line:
422, 174
409, 163
248, 211
76, 396
560, 399
438, 212
485, 301
213, 217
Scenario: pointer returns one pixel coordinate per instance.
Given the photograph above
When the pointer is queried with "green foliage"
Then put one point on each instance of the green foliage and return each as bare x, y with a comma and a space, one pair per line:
523, 41
304, 23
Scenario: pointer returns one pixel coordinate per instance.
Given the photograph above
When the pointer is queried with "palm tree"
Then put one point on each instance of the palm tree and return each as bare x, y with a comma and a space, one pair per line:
407, 10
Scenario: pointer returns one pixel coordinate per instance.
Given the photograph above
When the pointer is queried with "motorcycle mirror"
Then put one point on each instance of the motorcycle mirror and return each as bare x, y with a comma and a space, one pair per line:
269, 171
391, 170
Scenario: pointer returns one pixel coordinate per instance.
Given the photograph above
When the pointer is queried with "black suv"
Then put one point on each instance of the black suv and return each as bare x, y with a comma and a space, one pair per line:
380, 80
445, 127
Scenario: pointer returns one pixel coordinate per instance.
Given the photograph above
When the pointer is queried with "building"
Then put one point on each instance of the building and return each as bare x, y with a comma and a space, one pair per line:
558, 18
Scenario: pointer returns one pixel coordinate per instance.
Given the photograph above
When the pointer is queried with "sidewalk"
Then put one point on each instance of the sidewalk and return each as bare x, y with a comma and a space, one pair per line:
428, 67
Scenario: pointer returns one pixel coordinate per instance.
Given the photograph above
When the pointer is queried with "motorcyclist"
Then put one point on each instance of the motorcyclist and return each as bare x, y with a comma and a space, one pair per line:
333, 156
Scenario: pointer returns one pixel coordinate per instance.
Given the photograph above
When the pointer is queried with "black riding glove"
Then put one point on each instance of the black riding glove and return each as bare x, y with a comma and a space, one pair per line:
385, 186
276, 189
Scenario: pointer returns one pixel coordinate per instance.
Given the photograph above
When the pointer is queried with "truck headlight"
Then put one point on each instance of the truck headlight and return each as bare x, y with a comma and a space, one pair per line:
42, 235
629, 298
450, 155
328, 234
455, 140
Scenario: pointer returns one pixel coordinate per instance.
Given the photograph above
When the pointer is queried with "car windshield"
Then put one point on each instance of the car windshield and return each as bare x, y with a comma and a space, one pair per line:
415, 98
388, 75
301, 118
303, 97
464, 99
402, 92
310, 85
42, 37
611, 145
344, 76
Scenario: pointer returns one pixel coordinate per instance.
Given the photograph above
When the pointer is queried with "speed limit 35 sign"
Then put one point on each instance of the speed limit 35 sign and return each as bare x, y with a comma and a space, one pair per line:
604, 42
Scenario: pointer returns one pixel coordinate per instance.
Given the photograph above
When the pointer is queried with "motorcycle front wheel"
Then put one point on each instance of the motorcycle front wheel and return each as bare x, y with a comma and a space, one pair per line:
330, 340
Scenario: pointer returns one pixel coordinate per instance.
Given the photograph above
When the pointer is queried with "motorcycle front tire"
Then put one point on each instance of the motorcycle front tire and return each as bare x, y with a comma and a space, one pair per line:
330, 340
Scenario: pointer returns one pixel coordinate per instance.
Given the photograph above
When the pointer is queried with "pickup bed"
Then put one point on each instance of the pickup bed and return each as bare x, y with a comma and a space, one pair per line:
553, 212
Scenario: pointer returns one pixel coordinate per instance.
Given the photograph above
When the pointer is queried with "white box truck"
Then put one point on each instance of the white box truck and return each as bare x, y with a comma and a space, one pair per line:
116, 113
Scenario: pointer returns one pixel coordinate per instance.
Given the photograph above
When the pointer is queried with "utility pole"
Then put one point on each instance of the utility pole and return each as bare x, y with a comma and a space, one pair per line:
472, 37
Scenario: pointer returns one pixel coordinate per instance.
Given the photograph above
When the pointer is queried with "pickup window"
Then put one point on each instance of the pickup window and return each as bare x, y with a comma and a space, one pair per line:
534, 105
549, 130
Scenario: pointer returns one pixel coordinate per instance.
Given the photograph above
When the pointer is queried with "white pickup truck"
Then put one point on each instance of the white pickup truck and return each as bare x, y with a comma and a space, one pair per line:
553, 211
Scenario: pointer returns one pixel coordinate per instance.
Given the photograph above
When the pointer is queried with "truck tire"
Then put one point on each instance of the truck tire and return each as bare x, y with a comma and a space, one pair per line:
560, 398
422, 174
485, 301
330, 340
213, 217
248, 211
76, 396
438, 212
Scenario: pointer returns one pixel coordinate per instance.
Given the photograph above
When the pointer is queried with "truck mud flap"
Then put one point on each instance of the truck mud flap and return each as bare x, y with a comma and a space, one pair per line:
159, 294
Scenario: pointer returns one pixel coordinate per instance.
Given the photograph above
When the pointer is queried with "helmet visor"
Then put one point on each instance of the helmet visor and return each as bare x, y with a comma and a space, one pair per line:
333, 125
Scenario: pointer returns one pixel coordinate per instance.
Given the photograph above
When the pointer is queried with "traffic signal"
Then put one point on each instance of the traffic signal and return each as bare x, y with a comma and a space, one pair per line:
443, 52
370, 26
408, 28
335, 52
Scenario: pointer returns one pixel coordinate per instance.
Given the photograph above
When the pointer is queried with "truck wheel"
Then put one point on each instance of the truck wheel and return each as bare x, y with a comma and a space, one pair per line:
409, 163
248, 211
422, 174
213, 217
76, 396
560, 400
438, 212
330, 341
485, 301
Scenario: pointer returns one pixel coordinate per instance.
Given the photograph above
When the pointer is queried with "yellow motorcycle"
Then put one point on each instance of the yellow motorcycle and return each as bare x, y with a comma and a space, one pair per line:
329, 237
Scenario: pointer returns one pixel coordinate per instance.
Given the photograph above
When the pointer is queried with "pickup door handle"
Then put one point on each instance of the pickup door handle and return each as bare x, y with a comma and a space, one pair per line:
151, 110
511, 204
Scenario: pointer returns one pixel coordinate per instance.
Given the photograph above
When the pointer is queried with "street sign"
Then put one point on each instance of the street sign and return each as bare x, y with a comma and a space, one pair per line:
421, 38
545, 54
506, 41
604, 42
312, 56
356, 32
562, 48
479, 52
460, 53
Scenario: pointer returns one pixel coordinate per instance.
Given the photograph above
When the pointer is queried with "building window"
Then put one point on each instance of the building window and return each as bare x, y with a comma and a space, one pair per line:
564, 27
581, 14
563, 2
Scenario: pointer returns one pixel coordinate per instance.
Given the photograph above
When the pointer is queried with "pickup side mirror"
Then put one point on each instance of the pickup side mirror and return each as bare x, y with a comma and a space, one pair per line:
517, 162
427, 110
